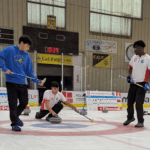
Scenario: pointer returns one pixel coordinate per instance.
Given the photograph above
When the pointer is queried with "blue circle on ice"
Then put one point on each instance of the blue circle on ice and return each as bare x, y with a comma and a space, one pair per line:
61, 125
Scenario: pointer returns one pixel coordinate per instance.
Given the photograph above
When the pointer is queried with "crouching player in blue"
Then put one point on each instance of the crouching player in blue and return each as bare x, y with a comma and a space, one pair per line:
51, 104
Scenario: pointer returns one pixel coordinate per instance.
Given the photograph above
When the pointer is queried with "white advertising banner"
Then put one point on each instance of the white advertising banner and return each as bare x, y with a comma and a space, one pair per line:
124, 98
75, 97
100, 46
32, 95
3, 99
103, 100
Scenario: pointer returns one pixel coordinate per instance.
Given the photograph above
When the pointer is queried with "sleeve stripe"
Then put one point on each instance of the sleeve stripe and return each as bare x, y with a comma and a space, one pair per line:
130, 65
46, 99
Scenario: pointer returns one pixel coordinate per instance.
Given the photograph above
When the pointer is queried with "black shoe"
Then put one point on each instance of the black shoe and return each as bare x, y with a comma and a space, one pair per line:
48, 119
128, 122
37, 115
139, 125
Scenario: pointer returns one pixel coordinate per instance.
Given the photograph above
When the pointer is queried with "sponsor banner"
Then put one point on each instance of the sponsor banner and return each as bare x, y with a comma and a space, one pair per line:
92, 104
110, 108
100, 100
54, 59
75, 97
124, 98
100, 46
3, 99
32, 95
103, 93
101, 60
51, 22
4, 108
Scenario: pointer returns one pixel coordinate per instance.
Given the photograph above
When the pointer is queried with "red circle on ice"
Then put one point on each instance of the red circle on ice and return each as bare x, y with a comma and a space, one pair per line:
119, 129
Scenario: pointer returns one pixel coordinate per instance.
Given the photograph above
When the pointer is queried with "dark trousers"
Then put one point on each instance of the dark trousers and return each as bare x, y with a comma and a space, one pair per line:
136, 94
57, 108
16, 91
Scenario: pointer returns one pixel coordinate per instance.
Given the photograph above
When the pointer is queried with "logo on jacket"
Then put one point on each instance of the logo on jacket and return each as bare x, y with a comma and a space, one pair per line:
19, 60
142, 61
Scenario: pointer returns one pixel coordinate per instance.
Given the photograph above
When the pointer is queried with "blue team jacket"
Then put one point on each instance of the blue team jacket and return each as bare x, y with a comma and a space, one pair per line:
17, 61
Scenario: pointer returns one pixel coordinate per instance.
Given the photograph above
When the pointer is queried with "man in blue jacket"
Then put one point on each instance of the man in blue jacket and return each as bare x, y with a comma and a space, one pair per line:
15, 61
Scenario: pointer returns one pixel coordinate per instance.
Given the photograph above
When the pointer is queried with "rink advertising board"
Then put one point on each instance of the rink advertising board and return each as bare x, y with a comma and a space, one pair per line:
101, 100
124, 99
3, 99
32, 95
75, 97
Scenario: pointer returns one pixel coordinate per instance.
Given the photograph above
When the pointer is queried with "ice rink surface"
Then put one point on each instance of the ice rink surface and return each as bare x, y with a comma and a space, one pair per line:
75, 132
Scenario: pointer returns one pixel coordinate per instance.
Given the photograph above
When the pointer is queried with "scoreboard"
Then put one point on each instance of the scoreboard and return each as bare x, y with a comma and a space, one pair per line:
53, 41
6, 36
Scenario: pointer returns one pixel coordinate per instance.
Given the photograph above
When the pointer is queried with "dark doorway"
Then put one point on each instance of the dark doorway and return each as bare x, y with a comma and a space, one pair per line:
54, 73
47, 85
49, 79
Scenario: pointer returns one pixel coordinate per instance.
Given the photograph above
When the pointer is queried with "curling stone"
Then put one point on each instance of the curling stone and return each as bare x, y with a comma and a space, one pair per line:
83, 112
55, 119
105, 111
145, 112
26, 112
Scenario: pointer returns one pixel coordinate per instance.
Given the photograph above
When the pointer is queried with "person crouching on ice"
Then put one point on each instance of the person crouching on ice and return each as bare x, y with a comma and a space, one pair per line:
50, 104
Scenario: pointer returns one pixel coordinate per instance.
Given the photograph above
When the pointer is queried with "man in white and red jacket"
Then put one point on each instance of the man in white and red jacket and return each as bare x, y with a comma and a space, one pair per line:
139, 68
51, 104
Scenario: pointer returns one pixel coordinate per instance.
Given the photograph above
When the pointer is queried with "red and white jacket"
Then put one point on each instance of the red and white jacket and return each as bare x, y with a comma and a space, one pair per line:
52, 98
140, 67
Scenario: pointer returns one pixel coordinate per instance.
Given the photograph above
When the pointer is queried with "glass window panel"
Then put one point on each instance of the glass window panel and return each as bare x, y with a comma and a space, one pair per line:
117, 7
106, 6
37, 13
33, 13
126, 26
95, 5
106, 24
94, 22
137, 8
47, 1
116, 25
110, 24
45, 10
60, 16
128, 8
34, 0
59, 2
54, 2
